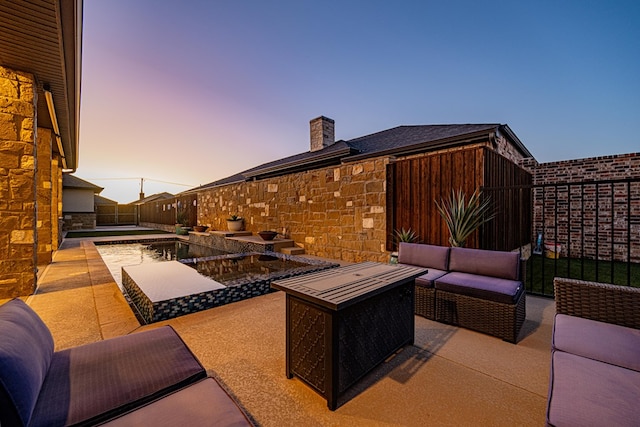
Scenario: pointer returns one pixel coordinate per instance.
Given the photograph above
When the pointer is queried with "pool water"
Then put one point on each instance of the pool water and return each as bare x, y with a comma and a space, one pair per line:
157, 295
116, 256
241, 268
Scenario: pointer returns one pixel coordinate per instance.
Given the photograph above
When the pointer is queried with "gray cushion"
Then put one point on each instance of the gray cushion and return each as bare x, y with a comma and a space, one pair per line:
427, 280
484, 287
26, 350
505, 265
595, 340
98, 381
429, 256
202, 404
584, 392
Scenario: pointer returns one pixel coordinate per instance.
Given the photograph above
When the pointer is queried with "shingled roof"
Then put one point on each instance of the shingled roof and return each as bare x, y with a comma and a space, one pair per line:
401, 140
71, 181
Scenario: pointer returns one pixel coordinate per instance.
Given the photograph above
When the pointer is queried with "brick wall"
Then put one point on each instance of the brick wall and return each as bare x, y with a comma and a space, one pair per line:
335, 212
17, 188
589, 220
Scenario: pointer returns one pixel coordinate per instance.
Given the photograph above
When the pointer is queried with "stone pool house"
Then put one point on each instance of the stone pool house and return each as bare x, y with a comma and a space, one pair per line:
40, 59
344, 199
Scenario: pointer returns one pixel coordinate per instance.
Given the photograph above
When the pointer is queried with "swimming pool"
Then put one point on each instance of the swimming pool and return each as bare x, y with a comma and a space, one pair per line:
194, 277
118, 255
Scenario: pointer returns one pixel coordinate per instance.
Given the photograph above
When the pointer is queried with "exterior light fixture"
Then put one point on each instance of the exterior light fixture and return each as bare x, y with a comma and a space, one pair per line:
54, 121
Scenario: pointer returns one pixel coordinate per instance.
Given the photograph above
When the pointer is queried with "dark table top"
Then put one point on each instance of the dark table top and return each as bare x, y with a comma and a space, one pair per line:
341, 287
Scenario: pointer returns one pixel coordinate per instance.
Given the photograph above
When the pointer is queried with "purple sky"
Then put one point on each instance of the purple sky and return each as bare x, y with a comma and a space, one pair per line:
189, 92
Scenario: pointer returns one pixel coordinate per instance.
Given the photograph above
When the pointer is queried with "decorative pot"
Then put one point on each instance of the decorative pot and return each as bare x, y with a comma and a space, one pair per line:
234, 225
200, 228
267, 235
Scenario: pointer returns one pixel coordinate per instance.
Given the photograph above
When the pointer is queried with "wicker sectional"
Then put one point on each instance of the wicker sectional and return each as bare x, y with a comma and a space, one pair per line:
595, 355
472, 288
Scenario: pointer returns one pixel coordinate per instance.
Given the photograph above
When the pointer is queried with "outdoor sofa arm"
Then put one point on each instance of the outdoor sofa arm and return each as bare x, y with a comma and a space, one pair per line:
598, 301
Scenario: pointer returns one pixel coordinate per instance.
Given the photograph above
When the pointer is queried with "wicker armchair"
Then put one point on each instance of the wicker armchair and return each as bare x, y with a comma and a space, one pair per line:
598, 301
595, 366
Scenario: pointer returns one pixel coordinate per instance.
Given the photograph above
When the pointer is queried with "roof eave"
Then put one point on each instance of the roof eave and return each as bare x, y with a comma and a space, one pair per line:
516, 141
424, 146
71, 14
315, 161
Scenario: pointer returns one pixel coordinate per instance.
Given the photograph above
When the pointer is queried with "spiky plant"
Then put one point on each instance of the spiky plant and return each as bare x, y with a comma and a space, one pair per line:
408, 235
463, 216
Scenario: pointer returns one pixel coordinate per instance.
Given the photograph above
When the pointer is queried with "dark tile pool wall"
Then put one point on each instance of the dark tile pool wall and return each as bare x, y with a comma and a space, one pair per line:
154, 312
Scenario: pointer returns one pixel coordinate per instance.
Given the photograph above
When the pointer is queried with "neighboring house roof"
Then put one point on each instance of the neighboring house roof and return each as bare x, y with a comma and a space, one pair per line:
45, 38
401, 140
99, 200
153, 197
71, 181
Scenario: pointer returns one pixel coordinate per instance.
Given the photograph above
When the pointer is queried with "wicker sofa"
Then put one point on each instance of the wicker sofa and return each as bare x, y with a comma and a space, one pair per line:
472, 288
595, 355
146, 378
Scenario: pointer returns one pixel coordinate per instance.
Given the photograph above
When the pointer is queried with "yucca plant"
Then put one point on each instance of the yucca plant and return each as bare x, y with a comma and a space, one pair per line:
408, 236
463, 216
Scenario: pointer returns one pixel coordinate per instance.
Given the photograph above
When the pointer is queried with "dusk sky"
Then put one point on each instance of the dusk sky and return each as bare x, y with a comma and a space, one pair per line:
190, 92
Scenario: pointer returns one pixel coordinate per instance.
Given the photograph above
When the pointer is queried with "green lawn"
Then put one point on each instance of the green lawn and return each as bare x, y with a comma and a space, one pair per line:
76, 234
541, 271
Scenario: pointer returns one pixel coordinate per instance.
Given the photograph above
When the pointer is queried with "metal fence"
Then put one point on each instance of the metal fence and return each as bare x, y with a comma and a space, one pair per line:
116, 214
168, 211
583, 230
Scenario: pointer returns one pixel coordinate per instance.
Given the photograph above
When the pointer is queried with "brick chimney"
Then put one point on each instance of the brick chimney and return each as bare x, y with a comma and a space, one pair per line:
322, 133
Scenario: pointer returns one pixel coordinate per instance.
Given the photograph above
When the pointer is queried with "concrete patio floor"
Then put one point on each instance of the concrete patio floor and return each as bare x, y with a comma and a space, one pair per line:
450, 376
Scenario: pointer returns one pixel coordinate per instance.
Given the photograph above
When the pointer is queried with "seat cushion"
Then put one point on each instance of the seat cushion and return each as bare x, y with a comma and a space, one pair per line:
97, 381
505, 265
484, 287
202, 404
429, 256
595, 340
585, 392
26, 351
427, 280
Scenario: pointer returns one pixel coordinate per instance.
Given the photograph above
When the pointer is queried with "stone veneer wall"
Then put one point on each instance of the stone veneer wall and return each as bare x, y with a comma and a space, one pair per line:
336, 212
597, 212
45, 206
79, 221
17, 183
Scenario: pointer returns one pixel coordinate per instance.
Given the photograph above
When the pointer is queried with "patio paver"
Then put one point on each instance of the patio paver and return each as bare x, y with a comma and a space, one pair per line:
451, 376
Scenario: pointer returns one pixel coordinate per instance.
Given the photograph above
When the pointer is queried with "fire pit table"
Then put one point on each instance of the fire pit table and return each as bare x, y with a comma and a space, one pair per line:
342, 323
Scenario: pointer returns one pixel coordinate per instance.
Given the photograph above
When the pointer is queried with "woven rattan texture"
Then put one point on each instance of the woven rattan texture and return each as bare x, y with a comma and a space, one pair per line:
493, 318
425, 304
602, 302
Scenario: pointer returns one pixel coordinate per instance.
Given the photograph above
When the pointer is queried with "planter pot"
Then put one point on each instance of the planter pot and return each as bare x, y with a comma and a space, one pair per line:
200, 228
181, 230
267, 235
234, 225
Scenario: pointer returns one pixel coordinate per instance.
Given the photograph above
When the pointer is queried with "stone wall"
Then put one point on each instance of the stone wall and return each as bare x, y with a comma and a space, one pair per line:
335, 212
79, 221
56, 202
17, 183
44, 224
589, 220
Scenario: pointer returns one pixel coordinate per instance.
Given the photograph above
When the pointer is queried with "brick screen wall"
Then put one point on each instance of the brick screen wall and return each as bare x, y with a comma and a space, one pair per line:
597, 221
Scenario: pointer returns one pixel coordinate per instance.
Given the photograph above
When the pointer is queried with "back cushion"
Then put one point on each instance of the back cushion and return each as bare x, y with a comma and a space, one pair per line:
26, 349
424, 255
505, 265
